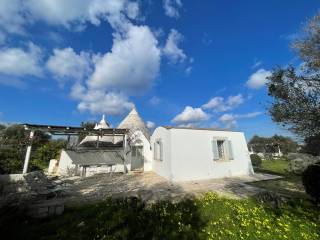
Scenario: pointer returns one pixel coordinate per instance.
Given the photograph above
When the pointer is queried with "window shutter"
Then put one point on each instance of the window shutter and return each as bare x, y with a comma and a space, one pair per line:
215, 149
161, 150
155, 151
230, 151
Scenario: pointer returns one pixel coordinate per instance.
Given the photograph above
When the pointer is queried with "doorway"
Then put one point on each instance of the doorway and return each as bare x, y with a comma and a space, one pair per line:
137, 159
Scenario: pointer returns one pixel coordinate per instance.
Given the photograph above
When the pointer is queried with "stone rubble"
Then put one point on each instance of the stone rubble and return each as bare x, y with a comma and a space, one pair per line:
300, 161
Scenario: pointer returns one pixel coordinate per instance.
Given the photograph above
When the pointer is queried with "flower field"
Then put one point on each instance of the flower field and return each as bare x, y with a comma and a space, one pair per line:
208, 217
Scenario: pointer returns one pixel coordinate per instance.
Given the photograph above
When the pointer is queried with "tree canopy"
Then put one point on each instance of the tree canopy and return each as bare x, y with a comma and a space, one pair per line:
13, 142
272, 144
296, 90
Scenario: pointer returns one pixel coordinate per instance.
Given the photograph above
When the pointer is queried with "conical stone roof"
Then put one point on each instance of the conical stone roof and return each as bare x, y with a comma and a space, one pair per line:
134, 122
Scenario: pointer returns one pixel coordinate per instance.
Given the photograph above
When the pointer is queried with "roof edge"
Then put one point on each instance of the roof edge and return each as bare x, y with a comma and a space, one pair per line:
199, 128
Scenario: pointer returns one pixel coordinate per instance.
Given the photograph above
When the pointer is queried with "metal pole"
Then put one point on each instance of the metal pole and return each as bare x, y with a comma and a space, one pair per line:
27, 157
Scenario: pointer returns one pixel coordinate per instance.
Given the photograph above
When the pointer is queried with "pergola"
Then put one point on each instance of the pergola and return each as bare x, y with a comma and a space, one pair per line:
70, 131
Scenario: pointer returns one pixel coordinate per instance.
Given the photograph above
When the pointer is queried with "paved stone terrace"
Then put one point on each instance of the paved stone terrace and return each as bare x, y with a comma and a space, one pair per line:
151, 187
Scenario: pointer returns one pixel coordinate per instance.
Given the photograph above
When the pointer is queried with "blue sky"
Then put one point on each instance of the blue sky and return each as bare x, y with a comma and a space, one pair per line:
179, 62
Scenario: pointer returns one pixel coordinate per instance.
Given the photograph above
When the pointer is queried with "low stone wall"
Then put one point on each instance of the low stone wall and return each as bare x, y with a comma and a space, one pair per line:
36, 193
298, 162
9, 178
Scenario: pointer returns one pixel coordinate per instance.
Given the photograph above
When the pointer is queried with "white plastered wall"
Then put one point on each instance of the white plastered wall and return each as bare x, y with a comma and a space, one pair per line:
162, 168
65, 163
188, 155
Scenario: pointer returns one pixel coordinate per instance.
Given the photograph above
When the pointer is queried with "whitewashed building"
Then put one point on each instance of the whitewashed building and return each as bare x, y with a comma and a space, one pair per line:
199, 153
176, 153
102, 153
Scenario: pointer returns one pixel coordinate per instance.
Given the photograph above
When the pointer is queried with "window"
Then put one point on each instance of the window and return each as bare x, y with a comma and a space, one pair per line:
158, 150
222, 149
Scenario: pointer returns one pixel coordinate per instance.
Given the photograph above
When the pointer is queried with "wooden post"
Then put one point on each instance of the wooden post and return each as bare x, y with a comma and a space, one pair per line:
28, 153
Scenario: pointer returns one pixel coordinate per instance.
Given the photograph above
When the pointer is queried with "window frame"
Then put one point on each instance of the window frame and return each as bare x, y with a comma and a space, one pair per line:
228, 153
158, 150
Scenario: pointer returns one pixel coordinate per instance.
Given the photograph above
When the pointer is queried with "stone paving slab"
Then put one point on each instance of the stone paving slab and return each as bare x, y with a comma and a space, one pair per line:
151, 187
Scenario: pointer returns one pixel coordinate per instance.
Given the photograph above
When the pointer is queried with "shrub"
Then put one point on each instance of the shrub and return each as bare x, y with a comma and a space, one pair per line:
311, 181
255, 160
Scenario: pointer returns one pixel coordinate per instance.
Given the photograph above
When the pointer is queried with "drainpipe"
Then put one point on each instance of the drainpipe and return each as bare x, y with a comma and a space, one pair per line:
27, 157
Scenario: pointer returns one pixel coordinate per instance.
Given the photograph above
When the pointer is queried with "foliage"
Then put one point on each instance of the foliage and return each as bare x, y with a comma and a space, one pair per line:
296, 92
13, 142
312, 145
271, 144
255, 160
11, 160
208, 217
311, 181
46, 152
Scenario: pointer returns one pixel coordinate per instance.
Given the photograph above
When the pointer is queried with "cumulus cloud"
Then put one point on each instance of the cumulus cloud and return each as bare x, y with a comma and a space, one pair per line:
171, 8
15, 14
190, 115
131, 65
171, 50
11, 16
19, 62
219, 104
229, 120
150, 125
258, 79
99, 101
65, 64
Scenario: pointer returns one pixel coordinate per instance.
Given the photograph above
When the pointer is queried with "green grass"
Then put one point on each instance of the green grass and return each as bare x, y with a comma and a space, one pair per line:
278, 166
290, 185
209, 217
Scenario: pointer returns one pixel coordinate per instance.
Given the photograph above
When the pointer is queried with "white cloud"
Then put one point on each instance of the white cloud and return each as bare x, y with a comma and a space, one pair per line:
256, 64
258, 79
150, 125
19, 62
249, 115
65, 64
191, 115
230, 120
15, 14
3, 37
188, 70
219, 104
11, 17
130, 67
235, 101
12, 82
171, 8
172, 50
98, 101
132, 64
155, 100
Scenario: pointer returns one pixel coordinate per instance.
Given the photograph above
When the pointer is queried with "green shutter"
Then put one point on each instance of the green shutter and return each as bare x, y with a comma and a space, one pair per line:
230, 151
155, 151
161, 150
215, 149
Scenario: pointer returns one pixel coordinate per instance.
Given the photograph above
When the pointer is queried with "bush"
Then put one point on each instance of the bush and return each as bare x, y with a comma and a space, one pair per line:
255, 160
311, 181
